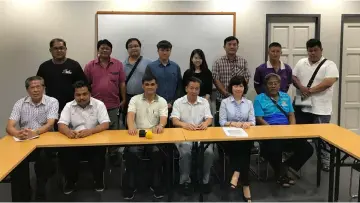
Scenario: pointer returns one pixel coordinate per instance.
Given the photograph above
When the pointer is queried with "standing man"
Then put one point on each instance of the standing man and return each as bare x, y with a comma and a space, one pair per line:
168, 74
147, 111
107, 78
227, 67
60, 73
192, 112
313, 102
35, 114
135, 66
81, 118
273, 65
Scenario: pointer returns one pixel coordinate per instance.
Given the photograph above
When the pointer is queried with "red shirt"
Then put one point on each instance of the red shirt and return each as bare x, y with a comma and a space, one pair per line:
105, 81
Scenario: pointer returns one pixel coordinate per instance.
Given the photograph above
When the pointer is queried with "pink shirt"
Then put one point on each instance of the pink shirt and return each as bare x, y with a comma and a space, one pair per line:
105, 82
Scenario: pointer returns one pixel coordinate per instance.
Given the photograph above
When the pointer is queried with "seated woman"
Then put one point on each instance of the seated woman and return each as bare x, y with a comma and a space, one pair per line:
275, 108
237, 111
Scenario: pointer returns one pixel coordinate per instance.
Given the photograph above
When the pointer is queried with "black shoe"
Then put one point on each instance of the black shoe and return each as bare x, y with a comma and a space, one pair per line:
206, 188
129, 194
290, 180
187, 190
158, 192
246, 199
69, 187
283, 181
99, 186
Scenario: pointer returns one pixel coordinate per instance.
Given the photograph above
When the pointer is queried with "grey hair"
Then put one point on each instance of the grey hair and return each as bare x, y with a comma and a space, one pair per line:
33, 78
272, 75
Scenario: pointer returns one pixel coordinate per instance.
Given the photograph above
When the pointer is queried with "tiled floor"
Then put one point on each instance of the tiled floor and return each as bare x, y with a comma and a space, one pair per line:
305, 189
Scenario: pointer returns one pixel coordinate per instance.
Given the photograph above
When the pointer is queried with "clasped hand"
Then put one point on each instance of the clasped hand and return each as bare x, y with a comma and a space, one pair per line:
79, 134
244, 125
201, 126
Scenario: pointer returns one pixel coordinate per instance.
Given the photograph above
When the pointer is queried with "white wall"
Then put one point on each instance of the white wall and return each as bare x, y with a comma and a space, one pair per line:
28, 26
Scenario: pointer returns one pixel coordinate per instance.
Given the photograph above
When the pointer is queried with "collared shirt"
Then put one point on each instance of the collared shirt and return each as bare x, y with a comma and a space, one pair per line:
284, 72
321, 103
134, 85
231, 111
191, 113
224, 69
33, 116
147, 115
105, 81
78, 118
265, 108
168, 78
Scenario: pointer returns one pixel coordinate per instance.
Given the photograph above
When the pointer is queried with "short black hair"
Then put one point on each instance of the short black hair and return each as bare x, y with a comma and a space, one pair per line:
80, 84
230, 38
313, 43
164, 44
193, 79
33, 78
130, 40
104, 42
148, 77
274, 44
238, 80
57, 40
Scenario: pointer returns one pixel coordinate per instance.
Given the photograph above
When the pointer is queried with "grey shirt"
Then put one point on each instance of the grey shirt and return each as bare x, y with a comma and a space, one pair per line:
134, 85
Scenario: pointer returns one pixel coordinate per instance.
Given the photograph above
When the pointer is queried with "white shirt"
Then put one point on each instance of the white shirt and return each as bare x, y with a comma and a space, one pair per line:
78, 118
321, 103
147, 115
33, 116
191, 113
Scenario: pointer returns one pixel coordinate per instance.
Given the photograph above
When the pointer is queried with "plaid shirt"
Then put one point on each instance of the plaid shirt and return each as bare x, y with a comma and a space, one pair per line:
224, 69
33, 116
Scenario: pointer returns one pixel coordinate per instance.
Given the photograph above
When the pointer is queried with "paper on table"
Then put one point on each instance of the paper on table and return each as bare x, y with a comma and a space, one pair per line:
235, 132
19, 140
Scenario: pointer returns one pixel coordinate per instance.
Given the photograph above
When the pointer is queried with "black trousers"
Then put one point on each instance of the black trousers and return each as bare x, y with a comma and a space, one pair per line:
124, 111
70, 160
239, 154
272, 151
217, 119
134, 171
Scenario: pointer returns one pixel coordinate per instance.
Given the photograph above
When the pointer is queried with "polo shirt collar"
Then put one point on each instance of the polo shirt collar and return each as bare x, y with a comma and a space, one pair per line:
317, 63
156, 98
232, 99
74, 103
127, 60
28, 100
282, 65
97, 60
185, 100
168, 63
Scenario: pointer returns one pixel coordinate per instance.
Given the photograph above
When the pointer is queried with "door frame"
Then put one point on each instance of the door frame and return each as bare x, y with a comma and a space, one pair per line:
271, 16
344, 19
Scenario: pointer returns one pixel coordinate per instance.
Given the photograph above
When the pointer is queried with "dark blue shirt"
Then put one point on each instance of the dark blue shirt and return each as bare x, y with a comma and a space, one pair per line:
168, 78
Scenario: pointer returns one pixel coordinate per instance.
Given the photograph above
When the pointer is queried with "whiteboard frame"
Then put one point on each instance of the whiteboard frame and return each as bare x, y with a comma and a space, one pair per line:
157, 13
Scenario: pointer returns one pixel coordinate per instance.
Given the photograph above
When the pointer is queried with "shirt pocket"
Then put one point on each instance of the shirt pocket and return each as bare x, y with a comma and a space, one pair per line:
114, 77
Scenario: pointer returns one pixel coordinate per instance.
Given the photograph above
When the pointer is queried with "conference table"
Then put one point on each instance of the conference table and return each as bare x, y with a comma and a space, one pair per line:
13, 155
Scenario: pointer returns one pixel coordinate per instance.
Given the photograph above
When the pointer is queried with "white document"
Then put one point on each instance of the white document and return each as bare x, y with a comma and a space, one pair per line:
235, 132
300, 102
19, 140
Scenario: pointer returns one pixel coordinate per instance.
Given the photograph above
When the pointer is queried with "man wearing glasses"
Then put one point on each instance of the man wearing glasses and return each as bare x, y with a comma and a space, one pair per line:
59, 74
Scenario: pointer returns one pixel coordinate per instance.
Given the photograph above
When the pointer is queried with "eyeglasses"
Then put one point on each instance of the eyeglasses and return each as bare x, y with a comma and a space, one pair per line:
133, 47
58, 48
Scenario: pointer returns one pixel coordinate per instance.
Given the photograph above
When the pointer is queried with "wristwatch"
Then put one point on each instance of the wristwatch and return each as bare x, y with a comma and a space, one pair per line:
37, 132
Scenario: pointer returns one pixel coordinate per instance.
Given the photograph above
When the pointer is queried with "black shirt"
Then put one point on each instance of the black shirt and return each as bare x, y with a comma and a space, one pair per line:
59, 79
206, 78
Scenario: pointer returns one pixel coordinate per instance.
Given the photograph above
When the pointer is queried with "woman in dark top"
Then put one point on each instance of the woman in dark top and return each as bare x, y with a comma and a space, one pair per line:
199, 69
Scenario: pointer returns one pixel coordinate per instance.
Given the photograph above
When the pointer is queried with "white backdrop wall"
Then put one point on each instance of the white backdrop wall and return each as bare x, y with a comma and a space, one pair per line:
27, 27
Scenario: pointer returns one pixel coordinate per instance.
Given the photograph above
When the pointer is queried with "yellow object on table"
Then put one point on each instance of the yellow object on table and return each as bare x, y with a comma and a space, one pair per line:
149, 134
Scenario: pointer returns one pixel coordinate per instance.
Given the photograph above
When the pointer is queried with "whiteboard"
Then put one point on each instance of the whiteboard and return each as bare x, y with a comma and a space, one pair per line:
185, 32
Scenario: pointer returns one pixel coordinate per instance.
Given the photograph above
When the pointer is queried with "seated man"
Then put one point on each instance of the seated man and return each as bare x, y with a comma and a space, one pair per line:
146, 111
81, 118
35, 114
275, 108
192, 112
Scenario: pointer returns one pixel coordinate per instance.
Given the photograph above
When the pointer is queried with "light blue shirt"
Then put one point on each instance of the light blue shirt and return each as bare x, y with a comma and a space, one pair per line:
231, 111
134, 85
265, 108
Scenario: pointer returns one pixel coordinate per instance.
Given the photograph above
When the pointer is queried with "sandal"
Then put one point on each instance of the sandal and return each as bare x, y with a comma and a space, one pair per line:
283, 181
